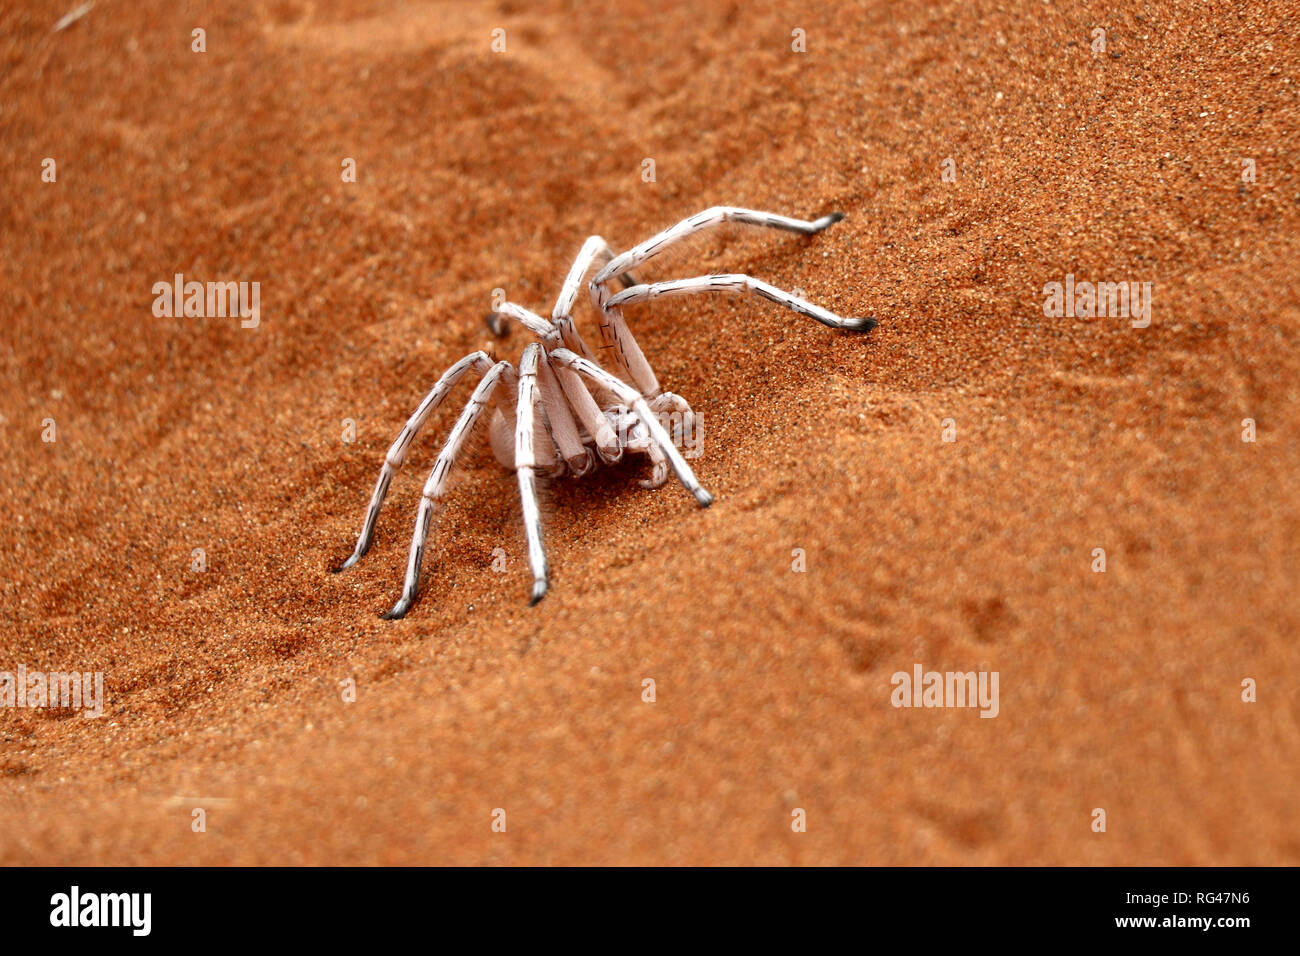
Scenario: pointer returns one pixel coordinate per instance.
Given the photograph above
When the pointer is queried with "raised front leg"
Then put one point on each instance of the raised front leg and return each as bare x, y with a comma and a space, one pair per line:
708, 219
735, 283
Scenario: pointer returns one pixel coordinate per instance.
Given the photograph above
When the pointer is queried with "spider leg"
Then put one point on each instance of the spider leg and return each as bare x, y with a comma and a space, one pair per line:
617, 335
638, 439
530, 320
560, 420
618, 340
637, 401
580, 400
715, 216
670, 400
589, 414
583, 405
436, 486
525, 469
739, 283
595, 248
676, 405
614, 334
478, 361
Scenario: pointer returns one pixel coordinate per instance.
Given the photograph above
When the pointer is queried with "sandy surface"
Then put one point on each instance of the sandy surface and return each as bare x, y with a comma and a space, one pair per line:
480, 170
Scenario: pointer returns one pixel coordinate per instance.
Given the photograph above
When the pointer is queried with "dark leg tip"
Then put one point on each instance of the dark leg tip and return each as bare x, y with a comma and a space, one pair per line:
398, 612
353, 558
860, 325
826, 221
539, 592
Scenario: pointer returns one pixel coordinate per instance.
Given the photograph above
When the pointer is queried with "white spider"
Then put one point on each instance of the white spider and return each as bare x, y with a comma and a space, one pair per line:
585, 408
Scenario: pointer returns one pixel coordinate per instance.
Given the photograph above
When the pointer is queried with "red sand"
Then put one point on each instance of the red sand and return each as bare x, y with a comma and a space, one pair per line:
480, 170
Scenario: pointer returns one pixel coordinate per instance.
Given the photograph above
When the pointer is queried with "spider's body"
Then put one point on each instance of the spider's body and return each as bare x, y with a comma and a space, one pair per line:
589, 413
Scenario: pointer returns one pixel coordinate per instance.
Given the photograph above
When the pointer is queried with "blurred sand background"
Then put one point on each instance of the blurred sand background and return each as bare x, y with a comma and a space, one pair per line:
480, 170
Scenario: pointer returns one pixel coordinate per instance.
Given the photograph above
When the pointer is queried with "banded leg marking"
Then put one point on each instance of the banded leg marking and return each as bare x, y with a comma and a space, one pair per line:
436, 486
396, 456
734, 283
708, 219
633, 398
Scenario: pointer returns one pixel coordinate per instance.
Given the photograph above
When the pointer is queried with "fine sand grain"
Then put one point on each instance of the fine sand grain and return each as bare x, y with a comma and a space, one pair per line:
480, 170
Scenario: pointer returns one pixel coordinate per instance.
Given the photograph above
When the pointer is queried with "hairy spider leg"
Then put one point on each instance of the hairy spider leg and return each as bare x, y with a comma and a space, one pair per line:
525, 471
584, 404
668, 401
617, 339
619, 335
561, 422
595, 248
637, 401
576, 396
396, 456
709, 218
436, 486
735, 283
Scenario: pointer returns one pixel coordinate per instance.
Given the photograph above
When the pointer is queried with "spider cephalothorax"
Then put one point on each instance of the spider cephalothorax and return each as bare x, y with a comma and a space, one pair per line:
590, 414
